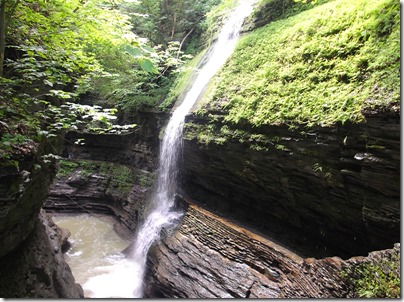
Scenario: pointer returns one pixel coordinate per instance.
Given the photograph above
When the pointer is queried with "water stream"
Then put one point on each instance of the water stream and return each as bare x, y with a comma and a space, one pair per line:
127, 274
96, 252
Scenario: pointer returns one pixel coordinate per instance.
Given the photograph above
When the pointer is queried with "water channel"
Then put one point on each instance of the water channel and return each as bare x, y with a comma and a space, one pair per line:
95, 253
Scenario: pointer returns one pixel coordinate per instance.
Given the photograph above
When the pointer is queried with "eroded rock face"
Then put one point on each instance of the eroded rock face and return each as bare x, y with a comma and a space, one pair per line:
23, 187
321, 191
31, 260
209, 257
114, 172
37, 269
104, 188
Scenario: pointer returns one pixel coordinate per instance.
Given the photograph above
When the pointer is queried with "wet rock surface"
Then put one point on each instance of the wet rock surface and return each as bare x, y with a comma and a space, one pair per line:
209, 257
320, 191
31, 260
37, 269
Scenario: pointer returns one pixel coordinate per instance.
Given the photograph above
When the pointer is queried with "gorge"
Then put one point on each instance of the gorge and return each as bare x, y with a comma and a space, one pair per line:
226, 208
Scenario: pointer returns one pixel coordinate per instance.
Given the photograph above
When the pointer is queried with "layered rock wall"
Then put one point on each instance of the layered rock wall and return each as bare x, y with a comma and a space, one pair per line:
322, 191
103, 188
23, 187
112, 173
138, 148
210, 257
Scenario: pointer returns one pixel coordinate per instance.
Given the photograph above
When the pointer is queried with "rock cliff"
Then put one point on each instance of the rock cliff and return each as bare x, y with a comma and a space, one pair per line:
37, 269
110, 173
103, 188
31, 260
138, 148
320, 191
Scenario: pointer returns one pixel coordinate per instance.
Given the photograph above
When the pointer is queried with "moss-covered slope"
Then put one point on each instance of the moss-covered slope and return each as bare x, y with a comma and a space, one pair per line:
322, 66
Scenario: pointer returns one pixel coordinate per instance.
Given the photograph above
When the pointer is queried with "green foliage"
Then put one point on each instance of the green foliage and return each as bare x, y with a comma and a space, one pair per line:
22, 129
55, 50
88, 119
18, 126
120, 177
322, 66
163, 22
376, 279
174, 28
145, 179
138, 89
61, 41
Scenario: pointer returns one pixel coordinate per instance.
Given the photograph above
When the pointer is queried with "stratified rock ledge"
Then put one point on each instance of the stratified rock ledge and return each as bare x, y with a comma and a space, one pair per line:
209, 257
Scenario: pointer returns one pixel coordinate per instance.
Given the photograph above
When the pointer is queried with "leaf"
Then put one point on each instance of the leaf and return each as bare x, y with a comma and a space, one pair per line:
60, 93
46, 82
133, 51
148, 49
148, 66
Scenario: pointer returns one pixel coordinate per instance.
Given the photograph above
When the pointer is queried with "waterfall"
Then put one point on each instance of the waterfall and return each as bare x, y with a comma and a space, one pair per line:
162, 213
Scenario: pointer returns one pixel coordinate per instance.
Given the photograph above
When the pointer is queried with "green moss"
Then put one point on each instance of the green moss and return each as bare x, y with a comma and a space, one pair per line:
379, 279
10, 165
145, 179
220, 134
66, 168
267, 11
320, 67
120, 177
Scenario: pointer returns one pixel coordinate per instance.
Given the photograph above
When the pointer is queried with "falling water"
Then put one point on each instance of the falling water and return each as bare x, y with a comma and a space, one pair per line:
162, 213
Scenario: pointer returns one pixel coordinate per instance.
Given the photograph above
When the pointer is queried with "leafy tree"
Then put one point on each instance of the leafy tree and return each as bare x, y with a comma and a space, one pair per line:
164, 21
52, 51
55, 51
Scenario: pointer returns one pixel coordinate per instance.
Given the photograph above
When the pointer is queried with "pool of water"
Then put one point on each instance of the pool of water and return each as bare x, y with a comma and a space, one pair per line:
95, 256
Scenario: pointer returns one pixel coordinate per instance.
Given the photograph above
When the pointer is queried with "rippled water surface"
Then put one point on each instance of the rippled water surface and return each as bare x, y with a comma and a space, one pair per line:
95, 256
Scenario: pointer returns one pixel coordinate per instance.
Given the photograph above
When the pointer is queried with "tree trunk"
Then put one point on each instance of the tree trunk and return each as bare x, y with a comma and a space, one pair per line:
5, 17
174, 24
2, 34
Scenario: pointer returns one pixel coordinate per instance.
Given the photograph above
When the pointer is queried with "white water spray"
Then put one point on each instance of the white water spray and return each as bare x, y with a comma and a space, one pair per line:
162, 214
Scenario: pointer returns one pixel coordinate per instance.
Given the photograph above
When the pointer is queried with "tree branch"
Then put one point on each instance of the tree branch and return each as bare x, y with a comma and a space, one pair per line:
183, 40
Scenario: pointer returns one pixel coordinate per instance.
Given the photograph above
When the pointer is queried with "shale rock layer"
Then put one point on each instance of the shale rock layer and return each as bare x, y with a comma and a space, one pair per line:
209, 257
322, 191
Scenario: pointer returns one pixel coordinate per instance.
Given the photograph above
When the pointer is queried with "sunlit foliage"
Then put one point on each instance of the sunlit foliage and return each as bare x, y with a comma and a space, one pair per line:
322, 66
